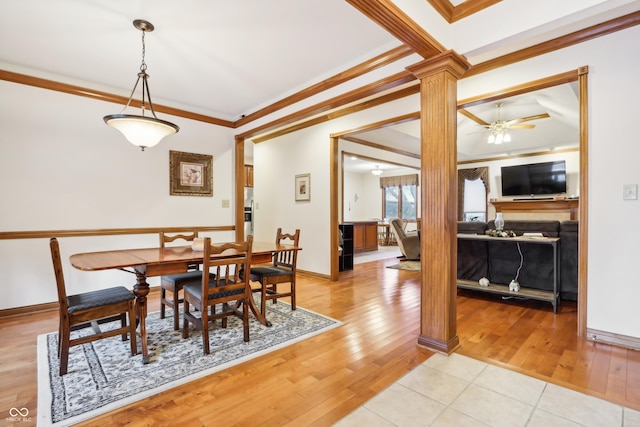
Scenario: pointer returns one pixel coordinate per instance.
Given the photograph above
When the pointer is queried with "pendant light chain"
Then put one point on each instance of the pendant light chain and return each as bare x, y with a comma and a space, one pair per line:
144, 75
141, 130
143, 66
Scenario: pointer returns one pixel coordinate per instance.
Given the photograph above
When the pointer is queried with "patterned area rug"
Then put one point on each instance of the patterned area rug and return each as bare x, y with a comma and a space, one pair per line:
406, 265
102, 376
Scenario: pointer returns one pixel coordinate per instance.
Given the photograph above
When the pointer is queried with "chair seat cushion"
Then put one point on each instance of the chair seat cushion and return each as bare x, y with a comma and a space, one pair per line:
98, 298
258, 272
195, 288
180, 279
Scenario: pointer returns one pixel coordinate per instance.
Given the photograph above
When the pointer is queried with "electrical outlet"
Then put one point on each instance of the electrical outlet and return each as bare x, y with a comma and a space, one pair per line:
226, 203
630, 192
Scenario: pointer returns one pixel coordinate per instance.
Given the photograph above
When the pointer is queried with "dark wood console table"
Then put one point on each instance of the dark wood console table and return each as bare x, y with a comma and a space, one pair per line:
565, 205
538, 294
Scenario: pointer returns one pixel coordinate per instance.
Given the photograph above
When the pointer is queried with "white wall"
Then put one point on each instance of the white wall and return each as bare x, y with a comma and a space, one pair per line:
362, 197
368, 205
276, 163
613, 154
64, 169
572, 159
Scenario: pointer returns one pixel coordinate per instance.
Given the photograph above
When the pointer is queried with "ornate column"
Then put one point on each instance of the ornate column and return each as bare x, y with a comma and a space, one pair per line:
438, 77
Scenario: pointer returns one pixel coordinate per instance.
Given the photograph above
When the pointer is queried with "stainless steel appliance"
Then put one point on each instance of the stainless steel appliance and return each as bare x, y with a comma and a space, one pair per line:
248, 211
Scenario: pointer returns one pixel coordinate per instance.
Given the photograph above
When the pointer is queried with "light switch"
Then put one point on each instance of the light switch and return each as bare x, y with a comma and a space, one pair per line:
225, 203
630, 192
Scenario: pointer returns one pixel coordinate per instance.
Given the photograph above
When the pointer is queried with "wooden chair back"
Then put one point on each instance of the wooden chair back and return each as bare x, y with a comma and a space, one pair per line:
166, 237
287, 258
57, 268
89, 309
229, 270
231, 262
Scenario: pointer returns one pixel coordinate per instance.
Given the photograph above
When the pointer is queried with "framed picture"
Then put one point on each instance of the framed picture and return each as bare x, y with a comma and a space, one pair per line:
303, 187
190, 174
474, 217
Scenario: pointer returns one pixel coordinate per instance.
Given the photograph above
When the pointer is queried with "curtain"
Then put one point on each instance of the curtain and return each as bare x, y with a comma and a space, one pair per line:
398, 181
471, 175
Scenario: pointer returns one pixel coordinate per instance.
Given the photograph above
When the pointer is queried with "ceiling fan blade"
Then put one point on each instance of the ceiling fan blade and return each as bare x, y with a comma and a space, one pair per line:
476, 119
526, 119
522, 126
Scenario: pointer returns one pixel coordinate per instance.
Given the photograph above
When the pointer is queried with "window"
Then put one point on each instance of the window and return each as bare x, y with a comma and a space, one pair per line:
399, 196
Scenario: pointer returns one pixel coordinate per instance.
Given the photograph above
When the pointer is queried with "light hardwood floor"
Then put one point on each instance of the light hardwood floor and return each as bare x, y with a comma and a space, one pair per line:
318, 381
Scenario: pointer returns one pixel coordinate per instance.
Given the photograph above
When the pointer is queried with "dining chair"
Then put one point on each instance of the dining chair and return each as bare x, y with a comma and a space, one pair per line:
282, 271
88, 309
229, 261
173, 283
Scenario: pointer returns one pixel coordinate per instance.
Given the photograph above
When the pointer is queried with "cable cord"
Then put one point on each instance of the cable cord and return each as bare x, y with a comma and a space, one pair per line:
521, 262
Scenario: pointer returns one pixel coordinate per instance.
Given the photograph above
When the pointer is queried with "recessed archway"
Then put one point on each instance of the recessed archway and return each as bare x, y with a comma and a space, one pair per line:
579, 76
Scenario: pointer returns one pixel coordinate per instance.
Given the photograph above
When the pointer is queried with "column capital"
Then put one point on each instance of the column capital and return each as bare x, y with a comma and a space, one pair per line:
450, 61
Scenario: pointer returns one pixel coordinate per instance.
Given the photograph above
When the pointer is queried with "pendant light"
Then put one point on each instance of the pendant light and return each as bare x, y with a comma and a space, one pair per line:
141, 130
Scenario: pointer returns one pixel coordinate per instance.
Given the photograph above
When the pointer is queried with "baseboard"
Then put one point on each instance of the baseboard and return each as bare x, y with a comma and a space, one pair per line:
619, 340
439, 346
312, 274
39, 308
28, 309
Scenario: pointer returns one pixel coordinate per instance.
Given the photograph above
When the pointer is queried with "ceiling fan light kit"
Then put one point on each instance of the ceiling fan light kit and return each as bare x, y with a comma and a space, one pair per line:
499, 130
141, 130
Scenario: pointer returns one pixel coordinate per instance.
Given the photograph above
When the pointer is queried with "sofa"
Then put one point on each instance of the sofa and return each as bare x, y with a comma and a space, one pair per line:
498, 261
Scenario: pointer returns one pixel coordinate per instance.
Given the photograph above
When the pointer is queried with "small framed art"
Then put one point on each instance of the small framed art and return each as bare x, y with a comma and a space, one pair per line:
303, 187
190, 174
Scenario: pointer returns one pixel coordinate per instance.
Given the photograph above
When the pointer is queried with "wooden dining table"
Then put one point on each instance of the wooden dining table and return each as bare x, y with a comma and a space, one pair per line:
148, 262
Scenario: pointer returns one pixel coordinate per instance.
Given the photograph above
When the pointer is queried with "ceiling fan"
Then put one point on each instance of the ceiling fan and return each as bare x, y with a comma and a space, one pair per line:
500, 128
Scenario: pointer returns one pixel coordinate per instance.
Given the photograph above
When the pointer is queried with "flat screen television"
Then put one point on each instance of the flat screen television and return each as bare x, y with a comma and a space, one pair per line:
534, 179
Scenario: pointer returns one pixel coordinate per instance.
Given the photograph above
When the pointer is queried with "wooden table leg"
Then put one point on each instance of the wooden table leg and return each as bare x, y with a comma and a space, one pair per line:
252, 305
256, 312
141, 290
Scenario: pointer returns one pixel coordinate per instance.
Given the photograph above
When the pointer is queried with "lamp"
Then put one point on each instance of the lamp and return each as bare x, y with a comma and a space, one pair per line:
499, 130
499, 133
377, 171
141, 130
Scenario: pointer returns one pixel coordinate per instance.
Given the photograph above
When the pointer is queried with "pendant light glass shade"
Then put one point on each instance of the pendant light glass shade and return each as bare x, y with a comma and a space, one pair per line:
141, 130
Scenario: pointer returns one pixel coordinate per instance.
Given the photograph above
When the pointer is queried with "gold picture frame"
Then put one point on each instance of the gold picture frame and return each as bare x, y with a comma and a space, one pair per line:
190, 174
303, 187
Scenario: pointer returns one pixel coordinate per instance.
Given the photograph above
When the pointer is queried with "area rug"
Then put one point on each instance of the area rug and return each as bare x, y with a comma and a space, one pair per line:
102, 376
406, 265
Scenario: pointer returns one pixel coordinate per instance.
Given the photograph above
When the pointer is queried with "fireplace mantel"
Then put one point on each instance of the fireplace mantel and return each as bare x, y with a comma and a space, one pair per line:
533, 205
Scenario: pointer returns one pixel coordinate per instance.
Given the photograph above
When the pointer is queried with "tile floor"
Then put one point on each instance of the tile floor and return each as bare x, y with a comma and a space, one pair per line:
383, 252
460, 391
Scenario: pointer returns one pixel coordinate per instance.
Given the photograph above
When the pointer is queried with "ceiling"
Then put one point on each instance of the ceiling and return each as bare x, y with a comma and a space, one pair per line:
223, 58
559, 130
229, 58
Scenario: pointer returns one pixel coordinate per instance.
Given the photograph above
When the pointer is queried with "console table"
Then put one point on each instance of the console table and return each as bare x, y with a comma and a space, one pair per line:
564, 205
500, 289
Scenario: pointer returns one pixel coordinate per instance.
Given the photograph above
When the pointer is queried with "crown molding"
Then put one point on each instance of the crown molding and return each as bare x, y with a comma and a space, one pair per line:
453, 13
